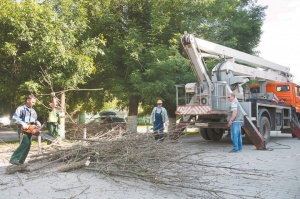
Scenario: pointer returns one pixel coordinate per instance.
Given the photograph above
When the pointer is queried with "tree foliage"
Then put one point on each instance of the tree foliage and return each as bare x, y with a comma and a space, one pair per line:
143, 60
130, 48
40, 49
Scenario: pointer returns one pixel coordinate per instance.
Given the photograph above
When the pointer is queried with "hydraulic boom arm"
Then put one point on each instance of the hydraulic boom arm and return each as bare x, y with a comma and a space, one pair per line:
254, 68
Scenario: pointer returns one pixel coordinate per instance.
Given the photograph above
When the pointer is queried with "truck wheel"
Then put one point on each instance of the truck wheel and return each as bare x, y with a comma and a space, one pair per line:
215, 134
204, 134
265, 128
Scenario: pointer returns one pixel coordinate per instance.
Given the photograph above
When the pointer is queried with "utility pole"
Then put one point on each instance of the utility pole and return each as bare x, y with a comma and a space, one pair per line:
62, 115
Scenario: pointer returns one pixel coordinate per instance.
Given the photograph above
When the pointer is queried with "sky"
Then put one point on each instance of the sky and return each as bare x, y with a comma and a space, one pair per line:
280, 41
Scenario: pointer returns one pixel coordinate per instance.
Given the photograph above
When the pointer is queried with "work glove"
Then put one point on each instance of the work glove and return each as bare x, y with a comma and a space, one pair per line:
25, 126
38, 124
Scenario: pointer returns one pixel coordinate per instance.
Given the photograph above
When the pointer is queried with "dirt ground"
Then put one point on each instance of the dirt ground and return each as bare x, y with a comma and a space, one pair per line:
203, 169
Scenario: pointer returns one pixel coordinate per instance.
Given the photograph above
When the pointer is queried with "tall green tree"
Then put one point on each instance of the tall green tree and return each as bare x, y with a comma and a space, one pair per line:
143, 59
40, 49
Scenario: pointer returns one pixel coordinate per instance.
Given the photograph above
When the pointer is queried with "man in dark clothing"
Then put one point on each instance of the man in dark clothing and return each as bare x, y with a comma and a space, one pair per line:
159, 117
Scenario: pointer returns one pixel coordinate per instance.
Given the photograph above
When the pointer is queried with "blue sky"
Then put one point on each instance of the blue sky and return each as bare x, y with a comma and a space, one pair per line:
280, 41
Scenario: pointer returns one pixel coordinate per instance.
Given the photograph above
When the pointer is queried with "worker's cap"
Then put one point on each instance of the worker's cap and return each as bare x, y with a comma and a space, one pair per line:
159, 102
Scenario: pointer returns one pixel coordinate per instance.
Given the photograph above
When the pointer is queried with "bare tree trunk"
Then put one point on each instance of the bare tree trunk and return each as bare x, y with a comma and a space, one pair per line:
132, 115
75, 165
131, 124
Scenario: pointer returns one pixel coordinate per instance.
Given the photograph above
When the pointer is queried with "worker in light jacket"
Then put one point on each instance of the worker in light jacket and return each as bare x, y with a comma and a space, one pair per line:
53, 120
24, 116
159, 117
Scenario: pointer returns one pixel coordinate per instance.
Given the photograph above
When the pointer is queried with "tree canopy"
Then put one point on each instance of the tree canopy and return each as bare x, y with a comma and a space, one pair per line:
41, 50
130, 48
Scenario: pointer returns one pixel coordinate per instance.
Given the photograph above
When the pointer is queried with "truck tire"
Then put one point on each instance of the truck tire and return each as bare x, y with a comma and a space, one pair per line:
204, 134
265, 128
215, 134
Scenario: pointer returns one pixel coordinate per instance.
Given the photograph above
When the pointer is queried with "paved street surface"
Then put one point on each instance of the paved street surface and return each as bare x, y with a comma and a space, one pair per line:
8, 135
272, 173
207, 170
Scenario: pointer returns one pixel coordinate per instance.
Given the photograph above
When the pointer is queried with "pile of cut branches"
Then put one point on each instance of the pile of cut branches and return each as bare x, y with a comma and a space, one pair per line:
138, 156
94, 129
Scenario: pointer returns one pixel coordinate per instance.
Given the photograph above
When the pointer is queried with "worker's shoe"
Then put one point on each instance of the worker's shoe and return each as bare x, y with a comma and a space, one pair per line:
156, 135
161, 139
232, 151
15, 162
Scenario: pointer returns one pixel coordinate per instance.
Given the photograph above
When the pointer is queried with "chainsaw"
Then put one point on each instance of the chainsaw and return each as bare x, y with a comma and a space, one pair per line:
31, 129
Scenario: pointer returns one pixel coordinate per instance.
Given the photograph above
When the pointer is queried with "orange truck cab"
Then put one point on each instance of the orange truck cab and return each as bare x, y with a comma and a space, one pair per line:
287, 93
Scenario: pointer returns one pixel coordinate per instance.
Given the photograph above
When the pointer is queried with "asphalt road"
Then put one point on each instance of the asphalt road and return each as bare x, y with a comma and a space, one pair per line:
7, 134
206, 168
252, 173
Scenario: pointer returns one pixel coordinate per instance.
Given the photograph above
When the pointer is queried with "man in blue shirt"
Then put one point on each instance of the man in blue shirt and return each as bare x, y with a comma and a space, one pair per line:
24, 116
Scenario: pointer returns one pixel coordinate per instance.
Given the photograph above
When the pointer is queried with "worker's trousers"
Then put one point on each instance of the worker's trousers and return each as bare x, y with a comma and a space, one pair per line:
22, 151
236, 135
53, 129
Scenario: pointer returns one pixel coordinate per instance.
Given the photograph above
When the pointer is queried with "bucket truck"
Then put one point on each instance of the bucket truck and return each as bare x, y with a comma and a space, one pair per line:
273, 104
